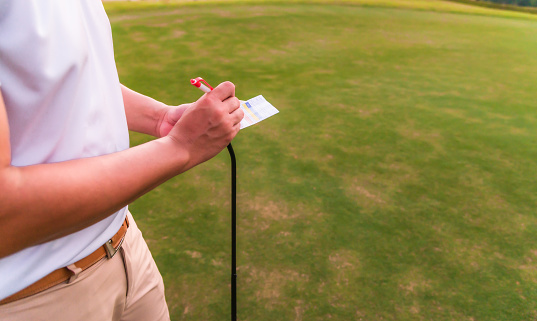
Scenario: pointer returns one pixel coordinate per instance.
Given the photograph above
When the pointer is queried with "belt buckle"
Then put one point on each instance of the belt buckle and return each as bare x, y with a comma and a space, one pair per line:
109, 248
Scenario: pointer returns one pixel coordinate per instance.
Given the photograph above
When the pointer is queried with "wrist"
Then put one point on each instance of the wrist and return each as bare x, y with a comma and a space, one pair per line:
143, 113
177, 152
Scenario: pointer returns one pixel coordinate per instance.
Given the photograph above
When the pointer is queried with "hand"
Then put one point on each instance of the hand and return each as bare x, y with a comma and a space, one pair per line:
208, 125
170, 118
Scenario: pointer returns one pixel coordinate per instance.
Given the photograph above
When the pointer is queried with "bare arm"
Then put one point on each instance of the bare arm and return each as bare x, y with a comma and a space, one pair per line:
149, 116
43, 202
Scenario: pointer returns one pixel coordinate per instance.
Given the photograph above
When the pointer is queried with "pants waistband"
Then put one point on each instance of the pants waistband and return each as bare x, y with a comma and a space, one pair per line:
109, 249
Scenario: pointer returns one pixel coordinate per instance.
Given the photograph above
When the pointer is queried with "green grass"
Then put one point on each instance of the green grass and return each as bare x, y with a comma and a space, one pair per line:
397, 182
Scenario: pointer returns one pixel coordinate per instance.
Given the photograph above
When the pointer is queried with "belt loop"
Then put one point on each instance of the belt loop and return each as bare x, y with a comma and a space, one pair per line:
70, 273
76, 270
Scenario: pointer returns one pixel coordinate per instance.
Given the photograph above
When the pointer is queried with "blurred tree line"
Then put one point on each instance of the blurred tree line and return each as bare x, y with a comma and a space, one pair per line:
523, 3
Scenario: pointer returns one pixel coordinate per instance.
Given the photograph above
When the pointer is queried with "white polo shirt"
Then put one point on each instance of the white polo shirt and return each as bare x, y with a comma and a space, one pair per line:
63, 101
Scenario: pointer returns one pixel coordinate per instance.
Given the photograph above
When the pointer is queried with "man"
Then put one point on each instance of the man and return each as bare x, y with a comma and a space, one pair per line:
69, 248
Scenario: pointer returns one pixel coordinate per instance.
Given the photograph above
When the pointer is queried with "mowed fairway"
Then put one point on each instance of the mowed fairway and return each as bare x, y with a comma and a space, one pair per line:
398, 181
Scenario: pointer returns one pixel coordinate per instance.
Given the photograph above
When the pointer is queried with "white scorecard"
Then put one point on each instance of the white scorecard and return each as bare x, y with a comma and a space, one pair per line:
255, 110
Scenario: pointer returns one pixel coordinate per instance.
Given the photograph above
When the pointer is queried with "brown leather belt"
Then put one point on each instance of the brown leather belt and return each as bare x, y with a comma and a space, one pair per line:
109, 249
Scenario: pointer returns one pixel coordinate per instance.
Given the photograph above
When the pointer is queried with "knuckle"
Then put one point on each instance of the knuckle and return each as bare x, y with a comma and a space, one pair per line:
239, 115
219, 113
228, 84
204, 102
209, 99
236, 102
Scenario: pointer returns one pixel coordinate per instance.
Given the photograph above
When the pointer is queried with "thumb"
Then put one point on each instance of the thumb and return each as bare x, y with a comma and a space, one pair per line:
175, 113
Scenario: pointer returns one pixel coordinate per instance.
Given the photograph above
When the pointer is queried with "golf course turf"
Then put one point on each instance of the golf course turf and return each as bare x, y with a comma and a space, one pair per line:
398, 181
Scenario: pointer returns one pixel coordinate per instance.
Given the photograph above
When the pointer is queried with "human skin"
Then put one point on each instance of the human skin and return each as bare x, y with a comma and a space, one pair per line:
43, 202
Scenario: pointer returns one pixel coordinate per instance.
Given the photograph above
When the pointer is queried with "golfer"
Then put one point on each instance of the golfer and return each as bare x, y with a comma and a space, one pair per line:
69, 248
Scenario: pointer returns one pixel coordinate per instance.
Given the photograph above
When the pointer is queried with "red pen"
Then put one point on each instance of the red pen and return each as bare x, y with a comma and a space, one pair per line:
198, 83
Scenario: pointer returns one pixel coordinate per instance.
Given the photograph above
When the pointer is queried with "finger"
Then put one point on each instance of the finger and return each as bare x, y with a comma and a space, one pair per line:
232, 104
236, 128
237, 115
224, 91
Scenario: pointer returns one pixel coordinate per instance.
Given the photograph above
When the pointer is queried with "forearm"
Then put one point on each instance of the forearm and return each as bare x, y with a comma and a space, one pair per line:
43, 202
54, 200
144, 114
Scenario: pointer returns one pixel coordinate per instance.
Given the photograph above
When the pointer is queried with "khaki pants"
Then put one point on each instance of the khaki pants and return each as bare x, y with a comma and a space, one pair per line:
126, 287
